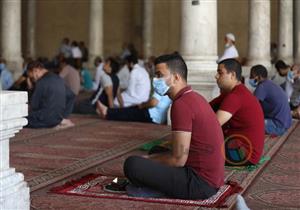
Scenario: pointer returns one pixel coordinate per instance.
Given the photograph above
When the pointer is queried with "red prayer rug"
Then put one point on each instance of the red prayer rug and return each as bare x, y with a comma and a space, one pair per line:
92, 186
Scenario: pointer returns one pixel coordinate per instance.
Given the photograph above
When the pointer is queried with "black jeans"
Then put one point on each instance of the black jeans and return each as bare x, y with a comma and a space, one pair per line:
84, 107
129, 114
174, 182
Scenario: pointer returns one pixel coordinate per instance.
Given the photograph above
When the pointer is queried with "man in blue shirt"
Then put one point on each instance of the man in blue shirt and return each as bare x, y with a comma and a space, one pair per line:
155, 110
273, 100
5, 76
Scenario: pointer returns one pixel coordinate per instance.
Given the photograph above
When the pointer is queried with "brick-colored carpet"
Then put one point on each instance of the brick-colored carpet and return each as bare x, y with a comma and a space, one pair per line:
45, 158
278, 186
50, 159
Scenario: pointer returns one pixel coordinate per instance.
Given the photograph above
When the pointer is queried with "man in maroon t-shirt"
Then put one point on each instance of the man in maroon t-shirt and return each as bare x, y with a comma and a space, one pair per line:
240, 115
194, 169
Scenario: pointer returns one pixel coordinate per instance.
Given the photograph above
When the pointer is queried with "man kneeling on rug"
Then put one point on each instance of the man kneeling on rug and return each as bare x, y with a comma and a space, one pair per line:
52, 101
194, 169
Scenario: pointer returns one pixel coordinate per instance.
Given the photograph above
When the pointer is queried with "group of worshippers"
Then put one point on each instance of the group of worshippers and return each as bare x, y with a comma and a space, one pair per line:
235, 122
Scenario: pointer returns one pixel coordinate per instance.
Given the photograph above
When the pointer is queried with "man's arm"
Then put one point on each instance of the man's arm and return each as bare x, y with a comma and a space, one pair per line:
180, 150
223, 116
149, 104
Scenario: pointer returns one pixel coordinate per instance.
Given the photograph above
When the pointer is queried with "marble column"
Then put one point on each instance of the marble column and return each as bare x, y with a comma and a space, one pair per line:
95, 31
285, 35
31, 14
199, 43
297, 31
147, 29
14, 190
259, 33
11, 35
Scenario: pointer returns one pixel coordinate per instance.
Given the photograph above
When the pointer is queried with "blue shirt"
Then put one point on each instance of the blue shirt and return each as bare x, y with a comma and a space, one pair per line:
6, 79
87, 79
274, 103
159, 113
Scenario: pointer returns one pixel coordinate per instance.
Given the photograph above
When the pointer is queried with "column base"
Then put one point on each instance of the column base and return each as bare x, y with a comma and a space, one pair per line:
14, 192
201, 76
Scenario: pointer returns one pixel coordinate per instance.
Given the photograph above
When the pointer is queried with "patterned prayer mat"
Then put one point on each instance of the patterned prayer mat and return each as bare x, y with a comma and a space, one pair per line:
92, 186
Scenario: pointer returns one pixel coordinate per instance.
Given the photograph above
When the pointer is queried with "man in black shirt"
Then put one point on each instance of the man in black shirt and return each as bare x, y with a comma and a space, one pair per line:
51, 102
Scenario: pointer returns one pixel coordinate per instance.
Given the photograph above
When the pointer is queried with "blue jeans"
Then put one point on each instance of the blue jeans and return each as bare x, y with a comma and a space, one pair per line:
272, 129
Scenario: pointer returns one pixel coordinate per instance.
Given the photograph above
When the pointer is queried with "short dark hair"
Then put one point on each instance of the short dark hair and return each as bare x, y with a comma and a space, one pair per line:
175, 63
232, 65
35, 65
113, 64
131, 59
259, 70
280, 64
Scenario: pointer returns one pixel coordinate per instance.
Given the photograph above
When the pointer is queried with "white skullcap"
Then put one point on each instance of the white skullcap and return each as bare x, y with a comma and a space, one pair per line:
230, 36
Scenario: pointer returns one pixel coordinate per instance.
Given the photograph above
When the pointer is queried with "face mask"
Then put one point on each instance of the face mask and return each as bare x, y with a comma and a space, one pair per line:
290, 76
253, 83
160, 86
2, 66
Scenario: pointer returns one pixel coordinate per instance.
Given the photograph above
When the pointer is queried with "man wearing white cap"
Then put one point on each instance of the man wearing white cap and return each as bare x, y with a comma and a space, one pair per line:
230, 50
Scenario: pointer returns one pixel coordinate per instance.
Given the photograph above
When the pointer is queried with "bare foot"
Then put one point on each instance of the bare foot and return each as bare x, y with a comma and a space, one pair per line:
296, 114
101, 110
65, 123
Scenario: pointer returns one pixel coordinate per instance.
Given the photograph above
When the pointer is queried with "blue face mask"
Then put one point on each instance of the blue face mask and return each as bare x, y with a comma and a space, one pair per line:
290, 76
253, 83
160, 86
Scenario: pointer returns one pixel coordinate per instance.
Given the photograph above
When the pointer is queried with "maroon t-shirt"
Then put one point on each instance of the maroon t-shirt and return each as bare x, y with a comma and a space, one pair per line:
190, 112
247, 119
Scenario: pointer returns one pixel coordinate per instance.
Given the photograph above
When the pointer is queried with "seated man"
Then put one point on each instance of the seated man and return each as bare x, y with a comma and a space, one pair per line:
51, 102
155, 110
106, 92
273, 100
139, 85
195, 167
6, 76
70, 75
240, 116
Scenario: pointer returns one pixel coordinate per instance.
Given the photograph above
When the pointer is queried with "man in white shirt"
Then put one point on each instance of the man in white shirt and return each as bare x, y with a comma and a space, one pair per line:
99, 72
139, 87
230, 49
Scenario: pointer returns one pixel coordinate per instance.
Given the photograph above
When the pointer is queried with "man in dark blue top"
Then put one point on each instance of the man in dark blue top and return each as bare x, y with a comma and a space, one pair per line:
51, 102
273, 100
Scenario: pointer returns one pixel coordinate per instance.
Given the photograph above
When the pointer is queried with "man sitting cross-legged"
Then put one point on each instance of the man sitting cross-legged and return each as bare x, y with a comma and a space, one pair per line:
155, 110
194, 169
51, 102
240, 116
273, 100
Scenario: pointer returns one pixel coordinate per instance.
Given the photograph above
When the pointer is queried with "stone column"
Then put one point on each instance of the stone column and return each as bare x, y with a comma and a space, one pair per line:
11, 35
285, 42
14, 190
199, 43
95, 31
259, 33
31, 11
297, 31
147, 30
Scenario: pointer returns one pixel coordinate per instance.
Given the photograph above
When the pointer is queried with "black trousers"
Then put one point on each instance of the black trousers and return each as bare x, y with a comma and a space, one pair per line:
129, 114
174, 182
84, 107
